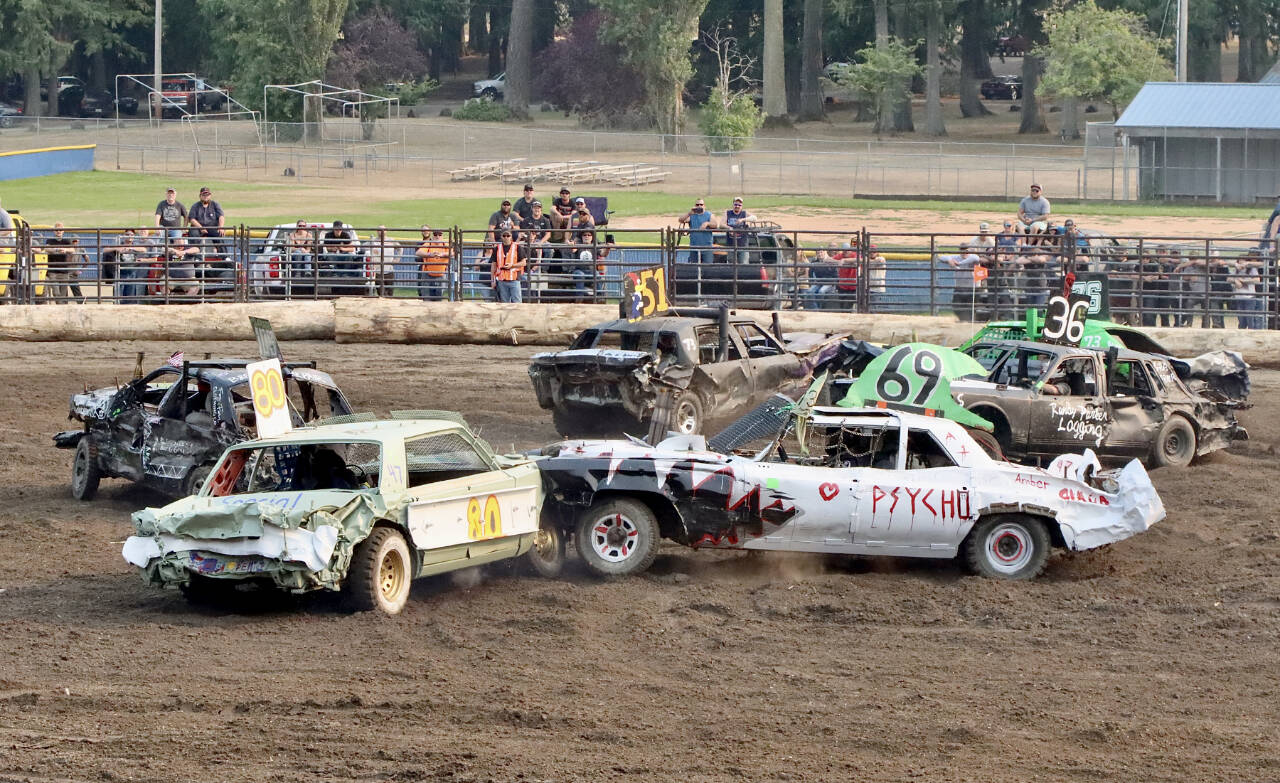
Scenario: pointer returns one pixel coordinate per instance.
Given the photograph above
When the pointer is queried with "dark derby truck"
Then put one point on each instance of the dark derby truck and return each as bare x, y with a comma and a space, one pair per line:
1045, 400
167, 428
713, 367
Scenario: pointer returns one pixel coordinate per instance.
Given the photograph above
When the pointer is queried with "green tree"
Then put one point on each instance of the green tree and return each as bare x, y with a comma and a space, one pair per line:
883, 76
655, 36
41, 34
262, 42
1098, 55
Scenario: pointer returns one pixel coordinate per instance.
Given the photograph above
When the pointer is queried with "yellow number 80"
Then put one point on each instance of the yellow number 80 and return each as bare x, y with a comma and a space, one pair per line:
484, 522
268, 392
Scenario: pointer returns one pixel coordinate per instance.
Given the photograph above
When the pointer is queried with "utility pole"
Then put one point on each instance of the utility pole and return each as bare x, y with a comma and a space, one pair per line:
158, 105
1182, 40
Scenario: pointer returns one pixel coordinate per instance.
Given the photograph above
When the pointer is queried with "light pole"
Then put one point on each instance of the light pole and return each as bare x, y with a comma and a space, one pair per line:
1182, 40
156, 101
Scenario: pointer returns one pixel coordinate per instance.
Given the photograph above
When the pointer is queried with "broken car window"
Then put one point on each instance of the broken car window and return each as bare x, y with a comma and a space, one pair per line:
442, 457
1130, 379
1022, 368
349, 466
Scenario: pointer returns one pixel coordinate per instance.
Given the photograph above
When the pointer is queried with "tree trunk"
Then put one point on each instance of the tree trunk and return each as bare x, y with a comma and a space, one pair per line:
478, 29
793, 52
882, 22
775, 76
1070, 119
901, 119
51, 87
31, 105
811, 108
519, 58
975, 63
99, 77
933, 122
1031, 20
495, 46
1032, 116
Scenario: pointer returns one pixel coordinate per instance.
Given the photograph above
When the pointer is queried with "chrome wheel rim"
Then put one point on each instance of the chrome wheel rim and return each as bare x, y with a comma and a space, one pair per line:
686, 418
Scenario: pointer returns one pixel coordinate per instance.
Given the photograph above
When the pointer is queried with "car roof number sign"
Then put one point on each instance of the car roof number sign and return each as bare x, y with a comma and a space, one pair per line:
1064, 320
270, 403
644, 292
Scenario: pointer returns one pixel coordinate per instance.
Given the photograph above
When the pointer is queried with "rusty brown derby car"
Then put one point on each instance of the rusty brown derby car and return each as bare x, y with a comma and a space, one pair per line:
713, 367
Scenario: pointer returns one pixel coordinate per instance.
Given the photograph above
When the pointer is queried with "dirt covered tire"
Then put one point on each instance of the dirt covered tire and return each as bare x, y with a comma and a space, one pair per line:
987, 442
617, 537
196, 479
85, 473
546, 557
1008, 546
380, 573
686, 414
1175, 444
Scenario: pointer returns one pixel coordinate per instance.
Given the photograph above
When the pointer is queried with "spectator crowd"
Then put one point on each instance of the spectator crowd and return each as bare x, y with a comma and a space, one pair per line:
555, 252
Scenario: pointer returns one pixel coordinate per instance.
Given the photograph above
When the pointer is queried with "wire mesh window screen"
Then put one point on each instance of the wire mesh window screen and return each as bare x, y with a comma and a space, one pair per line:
444, 452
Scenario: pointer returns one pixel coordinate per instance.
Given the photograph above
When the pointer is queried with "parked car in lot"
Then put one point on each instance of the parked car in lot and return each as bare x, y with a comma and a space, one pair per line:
166, 428
1002, 88
361, 507
493, 89
841, 481
9, 114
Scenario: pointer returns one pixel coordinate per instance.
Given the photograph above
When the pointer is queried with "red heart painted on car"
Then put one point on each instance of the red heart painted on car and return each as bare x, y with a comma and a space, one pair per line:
828, 490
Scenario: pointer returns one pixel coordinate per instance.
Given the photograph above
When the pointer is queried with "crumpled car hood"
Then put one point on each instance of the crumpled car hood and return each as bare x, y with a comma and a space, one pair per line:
92, 404
316, 529
596, 357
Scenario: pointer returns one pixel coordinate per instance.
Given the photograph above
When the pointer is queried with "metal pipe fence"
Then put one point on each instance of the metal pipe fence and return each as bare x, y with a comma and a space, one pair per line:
1170, 281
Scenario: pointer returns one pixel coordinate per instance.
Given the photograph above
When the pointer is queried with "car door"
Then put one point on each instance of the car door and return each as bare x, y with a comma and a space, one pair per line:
1070, 423
729, 385
1134, 409
129, 418
182, 435
462, 503
773, 368
921, 506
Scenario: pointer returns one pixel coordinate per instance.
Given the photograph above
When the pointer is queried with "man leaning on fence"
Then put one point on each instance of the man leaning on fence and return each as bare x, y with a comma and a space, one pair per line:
433, 265
700, 223
507, 260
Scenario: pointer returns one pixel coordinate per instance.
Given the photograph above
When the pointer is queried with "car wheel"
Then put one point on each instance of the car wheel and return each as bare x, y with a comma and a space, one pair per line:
988, 443
1175, 444
686, 414
1008, 546
617, 537
489, 93
85, 473
547, 555
196, 479
6, 122
380, 573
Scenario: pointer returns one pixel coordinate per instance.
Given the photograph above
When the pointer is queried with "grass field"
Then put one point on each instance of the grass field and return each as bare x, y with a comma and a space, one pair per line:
102, 198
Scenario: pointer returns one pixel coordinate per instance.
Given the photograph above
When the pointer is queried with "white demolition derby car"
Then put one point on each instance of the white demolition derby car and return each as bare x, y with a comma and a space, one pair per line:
860, 482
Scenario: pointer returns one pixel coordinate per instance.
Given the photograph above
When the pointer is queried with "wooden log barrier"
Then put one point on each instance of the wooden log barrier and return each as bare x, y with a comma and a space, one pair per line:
301, 320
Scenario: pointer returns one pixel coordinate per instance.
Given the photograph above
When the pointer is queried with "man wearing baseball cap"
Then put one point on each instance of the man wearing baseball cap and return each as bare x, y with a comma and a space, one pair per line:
734, 217
207, 219
582, 219
502, 219
170, 213
524, 206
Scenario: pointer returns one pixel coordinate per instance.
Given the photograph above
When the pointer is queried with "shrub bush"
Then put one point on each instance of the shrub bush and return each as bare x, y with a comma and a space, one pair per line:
482, 110
729, 121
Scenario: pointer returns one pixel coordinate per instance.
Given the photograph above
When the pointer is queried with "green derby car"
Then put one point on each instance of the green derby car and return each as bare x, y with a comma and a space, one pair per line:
363, 507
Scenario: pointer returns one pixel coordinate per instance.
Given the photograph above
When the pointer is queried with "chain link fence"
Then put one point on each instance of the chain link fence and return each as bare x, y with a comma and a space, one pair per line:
434, 152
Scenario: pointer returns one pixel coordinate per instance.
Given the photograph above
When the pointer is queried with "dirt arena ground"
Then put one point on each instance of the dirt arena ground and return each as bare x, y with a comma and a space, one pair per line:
1152, 660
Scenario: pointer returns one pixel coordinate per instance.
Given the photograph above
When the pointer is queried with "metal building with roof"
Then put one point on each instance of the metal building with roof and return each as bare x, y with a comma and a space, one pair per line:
1205, 140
